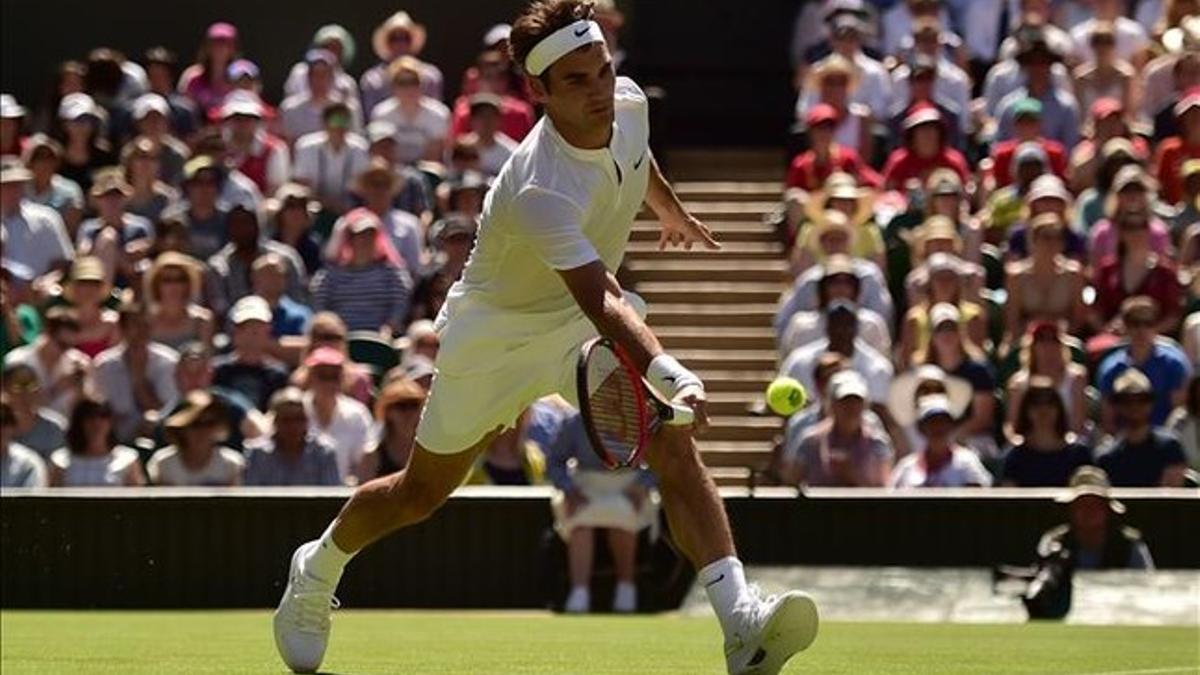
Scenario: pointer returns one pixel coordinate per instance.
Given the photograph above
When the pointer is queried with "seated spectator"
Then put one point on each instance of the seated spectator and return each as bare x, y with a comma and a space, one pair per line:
43, 156
1060, 112
232, 263
843, 450
180, 116
154, 118
494, 72
248, 369
62, 370
235, 186
34, 235
1107, 74
329, 159
34, 426
414, 195
301, 114
1046, 286
397, 37
833, 81
938, 239
1115, 154
510, 459
88, 291
1136, 270
1174, 151
842, 195
495, 147
20, 467
345, 422
840, 282
1131, 207
1046, 453
328, 330
293, 455
201, 212
366, 284
337, 41
589, 496
120, 239
1047, 195
173, 286
20, 322
246, 79
422, 123
1167, 87
92, 457
269, 277
784, 467
1106, 121
290, 216
873, 85
12, 118
842, 337
196, 455
451, 238
1185, 216
825, 156
148, 196
377, 185
1162, 361
259, 154
1027, 128
924, 150
1045, 351
1143, 454
397, 411
804, 296
951, 349
945, 287
194, 372
910, 387
946, 197
928, 80
136, 376
206, 82
462, 193
1185, 424
940, 461
81, 124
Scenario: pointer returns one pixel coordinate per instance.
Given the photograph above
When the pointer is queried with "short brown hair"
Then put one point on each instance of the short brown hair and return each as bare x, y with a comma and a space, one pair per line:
540, 19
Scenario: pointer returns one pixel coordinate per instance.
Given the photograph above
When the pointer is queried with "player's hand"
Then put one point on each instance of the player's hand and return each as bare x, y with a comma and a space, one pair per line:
695, 398
685, 230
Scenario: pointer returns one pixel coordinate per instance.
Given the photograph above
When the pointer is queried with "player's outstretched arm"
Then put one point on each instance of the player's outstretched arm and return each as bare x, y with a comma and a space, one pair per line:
679, 228
600, 297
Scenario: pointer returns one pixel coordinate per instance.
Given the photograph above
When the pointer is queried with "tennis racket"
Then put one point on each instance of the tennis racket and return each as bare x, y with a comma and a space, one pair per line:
620, 410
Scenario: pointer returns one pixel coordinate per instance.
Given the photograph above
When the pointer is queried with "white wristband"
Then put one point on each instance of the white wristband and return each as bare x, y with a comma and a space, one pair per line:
669, 377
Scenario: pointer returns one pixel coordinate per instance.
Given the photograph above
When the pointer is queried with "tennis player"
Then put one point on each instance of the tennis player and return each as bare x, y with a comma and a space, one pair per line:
539, 284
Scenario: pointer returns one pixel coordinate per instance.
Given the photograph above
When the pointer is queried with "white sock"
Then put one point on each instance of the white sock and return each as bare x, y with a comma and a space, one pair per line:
324, 561
725, 583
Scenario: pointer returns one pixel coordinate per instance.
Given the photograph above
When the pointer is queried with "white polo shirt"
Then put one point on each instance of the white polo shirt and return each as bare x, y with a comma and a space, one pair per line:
553, 207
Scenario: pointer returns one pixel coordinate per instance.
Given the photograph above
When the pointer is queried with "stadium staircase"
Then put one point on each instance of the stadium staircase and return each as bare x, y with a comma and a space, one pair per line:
713, 309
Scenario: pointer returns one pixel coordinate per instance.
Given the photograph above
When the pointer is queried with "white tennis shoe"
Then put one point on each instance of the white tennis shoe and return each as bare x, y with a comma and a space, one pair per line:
772, 630
302, 620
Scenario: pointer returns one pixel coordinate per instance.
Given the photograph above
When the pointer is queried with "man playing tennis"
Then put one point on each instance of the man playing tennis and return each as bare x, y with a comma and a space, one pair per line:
537, 286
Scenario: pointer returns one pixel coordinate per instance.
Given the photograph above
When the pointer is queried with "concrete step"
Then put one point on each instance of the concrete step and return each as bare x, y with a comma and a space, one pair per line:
730, 403
710, 292
716, 337
730, 191
740, 250
742, 381
730, 476
750, 232
672, 314
728, 359
741, 428
707, 269
756, 454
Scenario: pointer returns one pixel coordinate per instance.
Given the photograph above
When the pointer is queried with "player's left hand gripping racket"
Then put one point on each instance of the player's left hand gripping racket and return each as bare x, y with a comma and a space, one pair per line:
620, 410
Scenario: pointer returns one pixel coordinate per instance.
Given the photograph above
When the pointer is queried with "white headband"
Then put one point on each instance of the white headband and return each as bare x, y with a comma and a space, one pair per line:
560, 43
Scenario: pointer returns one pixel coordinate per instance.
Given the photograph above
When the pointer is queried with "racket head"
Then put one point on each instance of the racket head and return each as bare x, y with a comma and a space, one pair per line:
614, 403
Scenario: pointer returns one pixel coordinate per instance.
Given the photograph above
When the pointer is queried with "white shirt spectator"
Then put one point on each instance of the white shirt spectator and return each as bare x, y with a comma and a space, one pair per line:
492, 157
112, 380
21, 467
36, 237
875, 368
963, 469
239, 189
351, 431
897, 23
407, 236
1131, 38
981, 28
413, 135
300, 115
71, 361
874, 90
330, 173
1006, 77
104, 471
297, 83
223, 468
806, 327
873, 293
950, 84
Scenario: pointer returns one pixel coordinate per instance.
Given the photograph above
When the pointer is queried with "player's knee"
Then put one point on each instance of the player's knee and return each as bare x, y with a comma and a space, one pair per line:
417, 499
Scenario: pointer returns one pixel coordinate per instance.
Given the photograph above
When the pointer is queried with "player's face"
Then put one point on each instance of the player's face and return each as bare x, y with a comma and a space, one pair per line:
578, 88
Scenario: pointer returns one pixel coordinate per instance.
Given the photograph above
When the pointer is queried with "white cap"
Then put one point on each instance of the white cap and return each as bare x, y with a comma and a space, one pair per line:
74, 106
932, 406
942, 312
241, 103
380, 130
250, 308
496, 34
148, 103
1048, 185
847, 383
9, 108
943, 262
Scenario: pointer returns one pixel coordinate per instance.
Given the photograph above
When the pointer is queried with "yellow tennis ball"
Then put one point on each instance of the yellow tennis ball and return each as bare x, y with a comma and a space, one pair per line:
785, 395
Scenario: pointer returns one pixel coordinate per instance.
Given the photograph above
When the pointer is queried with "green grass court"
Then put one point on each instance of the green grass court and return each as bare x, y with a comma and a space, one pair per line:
81, 643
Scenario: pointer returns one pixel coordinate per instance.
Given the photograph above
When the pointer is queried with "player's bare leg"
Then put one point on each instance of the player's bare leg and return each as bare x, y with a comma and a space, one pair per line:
377, 508
761, 634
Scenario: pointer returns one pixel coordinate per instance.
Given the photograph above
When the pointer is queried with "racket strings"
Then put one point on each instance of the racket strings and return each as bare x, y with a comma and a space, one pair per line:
616, 408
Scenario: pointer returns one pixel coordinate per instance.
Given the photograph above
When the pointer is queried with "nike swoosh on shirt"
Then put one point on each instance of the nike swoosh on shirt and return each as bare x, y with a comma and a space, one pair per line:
714, 581
581, 32
638, 164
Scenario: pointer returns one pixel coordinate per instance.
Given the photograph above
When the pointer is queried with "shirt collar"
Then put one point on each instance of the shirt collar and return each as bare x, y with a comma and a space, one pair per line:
598, 155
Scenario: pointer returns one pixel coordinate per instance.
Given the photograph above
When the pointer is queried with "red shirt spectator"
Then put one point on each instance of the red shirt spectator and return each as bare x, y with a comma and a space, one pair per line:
1174, 151
516, 117
809, 169
1161, 283
924, 150
1002, 156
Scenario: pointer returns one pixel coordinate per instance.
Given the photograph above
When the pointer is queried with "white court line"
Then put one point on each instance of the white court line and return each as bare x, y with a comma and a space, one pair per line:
1152, 670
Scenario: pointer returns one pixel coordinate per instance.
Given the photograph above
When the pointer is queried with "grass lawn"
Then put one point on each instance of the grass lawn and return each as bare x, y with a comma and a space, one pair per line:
80, 643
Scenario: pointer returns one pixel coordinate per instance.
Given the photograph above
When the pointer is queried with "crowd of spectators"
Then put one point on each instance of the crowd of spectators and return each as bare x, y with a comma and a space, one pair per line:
994, 232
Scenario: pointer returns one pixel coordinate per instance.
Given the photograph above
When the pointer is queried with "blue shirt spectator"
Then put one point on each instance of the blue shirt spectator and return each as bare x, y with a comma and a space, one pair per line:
1166, 366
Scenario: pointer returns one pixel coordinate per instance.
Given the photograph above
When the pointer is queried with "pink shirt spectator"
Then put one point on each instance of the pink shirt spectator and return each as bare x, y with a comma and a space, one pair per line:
1102, 240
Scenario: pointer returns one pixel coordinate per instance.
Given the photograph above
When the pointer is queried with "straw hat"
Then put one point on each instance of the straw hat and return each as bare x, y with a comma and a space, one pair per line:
902, 395
169, 259
841, 185
398, 21
834, 64
195, 406
1090, 481
934, 227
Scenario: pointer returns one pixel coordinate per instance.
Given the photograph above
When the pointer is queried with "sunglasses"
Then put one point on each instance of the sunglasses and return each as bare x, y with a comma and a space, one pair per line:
407, 82
328, 337
327, 375
174, 279
23, 386
1138, 323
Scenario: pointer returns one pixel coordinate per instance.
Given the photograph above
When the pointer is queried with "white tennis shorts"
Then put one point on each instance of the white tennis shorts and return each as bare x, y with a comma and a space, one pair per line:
493, 365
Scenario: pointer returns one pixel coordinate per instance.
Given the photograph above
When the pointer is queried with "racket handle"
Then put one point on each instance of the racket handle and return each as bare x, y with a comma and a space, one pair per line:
682, 415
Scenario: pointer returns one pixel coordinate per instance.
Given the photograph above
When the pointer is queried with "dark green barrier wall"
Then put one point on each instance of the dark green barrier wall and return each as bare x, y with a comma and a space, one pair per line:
159, 548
